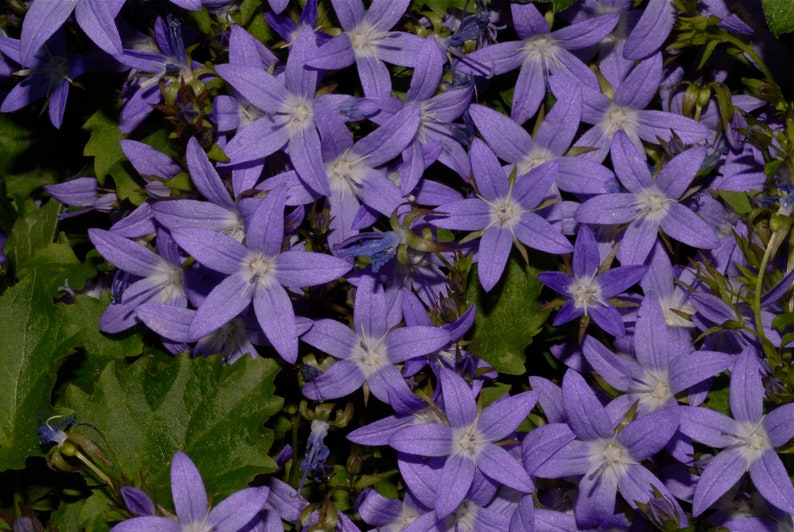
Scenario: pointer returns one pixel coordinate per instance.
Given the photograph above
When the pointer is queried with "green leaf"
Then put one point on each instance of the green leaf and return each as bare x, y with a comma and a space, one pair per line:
507, 318
103, 144
560, 5
57, 265
90, 513
738, 201
97, 349
33, 230
34, 342
214, 413
128, 187
779, 15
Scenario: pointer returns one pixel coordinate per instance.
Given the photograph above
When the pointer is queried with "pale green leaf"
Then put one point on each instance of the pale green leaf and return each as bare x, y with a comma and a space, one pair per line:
779, 15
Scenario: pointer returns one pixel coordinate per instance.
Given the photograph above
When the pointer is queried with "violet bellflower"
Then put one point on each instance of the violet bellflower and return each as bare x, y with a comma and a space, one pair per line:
589, 291
289, 108
468, 441
539, 53
503, 212
512, 144
257, 273
650, 203
47, 73
609, 459
368, 353
368, 41
748, 439
192, 506
627, 112
664, 365
158, 277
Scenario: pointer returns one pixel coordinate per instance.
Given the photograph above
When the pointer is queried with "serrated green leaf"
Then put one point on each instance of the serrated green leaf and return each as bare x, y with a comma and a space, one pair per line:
103, 144
88, 513
58, 267
32, 230
128, 187
779, 15
97, 349
34, 342
738, 201
248, 9
560, 5
214, 413
507, 318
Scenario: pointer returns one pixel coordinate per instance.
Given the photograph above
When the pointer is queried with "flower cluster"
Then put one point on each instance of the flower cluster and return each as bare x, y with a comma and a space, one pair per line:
340, 189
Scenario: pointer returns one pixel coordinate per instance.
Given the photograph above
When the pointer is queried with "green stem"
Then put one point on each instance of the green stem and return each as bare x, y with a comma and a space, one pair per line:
98, 472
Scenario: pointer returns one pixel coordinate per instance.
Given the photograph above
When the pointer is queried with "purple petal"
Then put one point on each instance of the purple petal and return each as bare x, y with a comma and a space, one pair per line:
491, 181
530, 90
369, 316
586, 259
674, 178
746, 388
459, 404
607, 209
256, 85
410, 342
638, 239
495, 245
772, 480
630, 165
651, 30
41, 21
499, 465
586, 416
685, 226
647, 435
779, 424
96, 19
238, 509
149, 161
617, 371
225, 302
214, 250
274, 312
707, 426
343, 378
641, 85
187, 488
159, 524
596, 500
125, 254
204, 175
507, 139
537, 233
501, 418
723, 471
427, 439
456, 477
608, 318
687, 371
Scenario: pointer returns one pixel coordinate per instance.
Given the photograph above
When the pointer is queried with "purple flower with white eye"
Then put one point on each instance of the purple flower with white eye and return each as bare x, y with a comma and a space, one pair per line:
370, 351
192, 506
503, 212
539, 53
368, 41
627, 112
468, 441
650, 203
588, 290
158, 276
608, 459
257, 273
748, 440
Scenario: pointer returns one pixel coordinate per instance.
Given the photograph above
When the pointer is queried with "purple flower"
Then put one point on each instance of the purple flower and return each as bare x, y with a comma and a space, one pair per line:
257, 274
748, 440
609, 459
192, 506
650, 203
370, 351
468, 441
49, 72
589, 290
541, 52
503, 212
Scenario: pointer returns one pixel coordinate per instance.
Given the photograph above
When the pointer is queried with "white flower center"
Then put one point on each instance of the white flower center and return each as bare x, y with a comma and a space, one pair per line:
533, 159
652, 204
585, 293
347, 172
370, 355
364, 40
751, 440
169, 277
467, 441
608, 459
653, 389
301, 114
540, 48
260, 270
619, 118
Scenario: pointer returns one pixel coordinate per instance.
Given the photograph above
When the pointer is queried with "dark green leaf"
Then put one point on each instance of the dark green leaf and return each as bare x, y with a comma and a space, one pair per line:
34, 342
32, 230
507, 318
104, 143
779, 15
214, 413
58, 267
